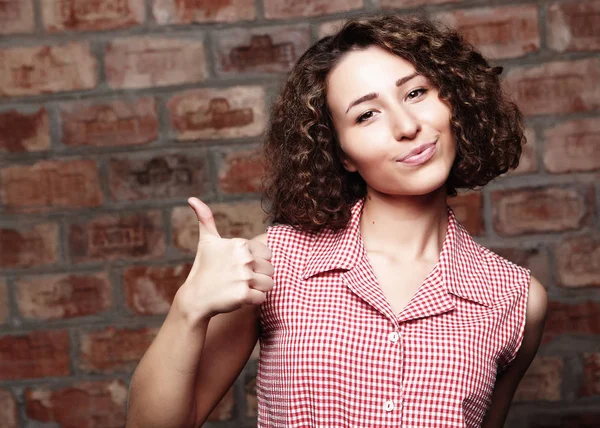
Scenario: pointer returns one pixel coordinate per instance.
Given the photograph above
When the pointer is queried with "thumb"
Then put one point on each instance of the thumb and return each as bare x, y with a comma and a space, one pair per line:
206, 221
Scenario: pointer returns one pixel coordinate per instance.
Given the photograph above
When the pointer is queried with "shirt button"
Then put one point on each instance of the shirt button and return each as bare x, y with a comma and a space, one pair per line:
388, 406
393, 337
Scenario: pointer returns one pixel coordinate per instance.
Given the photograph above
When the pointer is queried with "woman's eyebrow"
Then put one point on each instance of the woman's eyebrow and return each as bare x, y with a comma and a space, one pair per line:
374, 95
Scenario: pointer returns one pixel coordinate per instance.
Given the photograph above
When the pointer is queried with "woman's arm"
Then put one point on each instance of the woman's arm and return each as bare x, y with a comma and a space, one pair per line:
507, 382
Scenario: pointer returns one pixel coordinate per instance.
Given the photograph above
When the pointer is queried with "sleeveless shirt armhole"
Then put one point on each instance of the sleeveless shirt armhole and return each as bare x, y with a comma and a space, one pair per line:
521, 320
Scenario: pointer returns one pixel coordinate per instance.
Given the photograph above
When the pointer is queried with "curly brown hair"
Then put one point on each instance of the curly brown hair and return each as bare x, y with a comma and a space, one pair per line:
304, 180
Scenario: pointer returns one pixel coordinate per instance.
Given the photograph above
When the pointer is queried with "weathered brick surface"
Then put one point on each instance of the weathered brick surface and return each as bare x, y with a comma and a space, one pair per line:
94, 404
114, 349
572, 146
260, 50
4, 309
291, 8
118, 236
236, 219
159, 175
411, 3
468, 209
572, 318
591, 375
530, 258
499, 32
8, 409
149, 290
51, 185
165, 175
250, 389
241, 171
218, 113
46, 69
556, 87
544, 209
573, 26
136, 62
187, 11
24, 131
29, 246
543, 380
34, 355
575, 418
578, 261
114, 123
62, 296
330, 27
81, 15
16, 16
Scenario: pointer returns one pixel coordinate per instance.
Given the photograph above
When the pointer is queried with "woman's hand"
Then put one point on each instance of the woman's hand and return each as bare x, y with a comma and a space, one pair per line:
226, 274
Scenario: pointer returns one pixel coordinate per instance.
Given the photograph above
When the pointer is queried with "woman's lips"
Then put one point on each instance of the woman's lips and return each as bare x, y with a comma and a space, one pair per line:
424, 153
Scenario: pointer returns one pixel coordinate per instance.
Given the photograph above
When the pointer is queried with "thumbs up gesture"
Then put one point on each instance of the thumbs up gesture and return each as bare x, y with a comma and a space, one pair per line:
226, 274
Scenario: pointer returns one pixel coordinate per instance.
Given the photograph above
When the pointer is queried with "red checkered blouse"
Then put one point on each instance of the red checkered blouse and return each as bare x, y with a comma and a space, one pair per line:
334, 354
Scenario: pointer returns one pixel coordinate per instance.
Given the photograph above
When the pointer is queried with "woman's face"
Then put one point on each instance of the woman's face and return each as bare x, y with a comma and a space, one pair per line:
382, 110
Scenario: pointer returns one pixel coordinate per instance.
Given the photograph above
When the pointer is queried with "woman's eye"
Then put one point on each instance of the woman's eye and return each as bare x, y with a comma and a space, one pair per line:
419, 91
364, 116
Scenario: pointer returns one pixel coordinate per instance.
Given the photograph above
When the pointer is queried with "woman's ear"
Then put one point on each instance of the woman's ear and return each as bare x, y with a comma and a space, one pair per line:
348, 164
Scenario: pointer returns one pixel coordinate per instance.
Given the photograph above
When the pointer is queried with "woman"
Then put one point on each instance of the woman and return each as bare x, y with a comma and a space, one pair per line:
373, 305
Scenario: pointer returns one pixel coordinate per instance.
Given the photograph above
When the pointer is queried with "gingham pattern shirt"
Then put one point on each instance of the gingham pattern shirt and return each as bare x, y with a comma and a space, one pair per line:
334, 354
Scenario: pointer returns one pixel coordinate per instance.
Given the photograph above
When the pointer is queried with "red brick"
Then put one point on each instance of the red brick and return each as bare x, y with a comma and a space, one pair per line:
4, 304
530, 258
8, 409
117, 236
16, 16
241, 171
591, 375
164, 175
573, 146
291, 8
116, 123
24, 132
528, 161
260, 50
114, 349
396, 4
238, 219
218, 113
51, 185
93, 15
578, 261
542, 209
499, 32
29, 246
150, 290
34, 355
542, 381
93, 404
188, 11
573, 26
137, 62
224, 409
46, 69
330, 27
468, 208
576, 418
572, 318
63, 296
556, 87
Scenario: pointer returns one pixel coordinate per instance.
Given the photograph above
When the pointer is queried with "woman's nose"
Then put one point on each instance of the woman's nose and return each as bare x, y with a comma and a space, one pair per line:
404, 124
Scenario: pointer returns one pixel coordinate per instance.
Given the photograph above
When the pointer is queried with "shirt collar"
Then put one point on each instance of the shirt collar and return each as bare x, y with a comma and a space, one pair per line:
461, 265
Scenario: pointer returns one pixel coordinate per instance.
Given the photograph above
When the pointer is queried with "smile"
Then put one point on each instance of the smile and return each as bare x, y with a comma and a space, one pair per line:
422, 157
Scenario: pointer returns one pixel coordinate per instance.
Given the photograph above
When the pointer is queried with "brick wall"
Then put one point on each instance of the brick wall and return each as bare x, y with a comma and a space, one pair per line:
113, 112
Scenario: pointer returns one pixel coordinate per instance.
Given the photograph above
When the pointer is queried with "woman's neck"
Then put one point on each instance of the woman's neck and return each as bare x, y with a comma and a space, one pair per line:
406, 228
